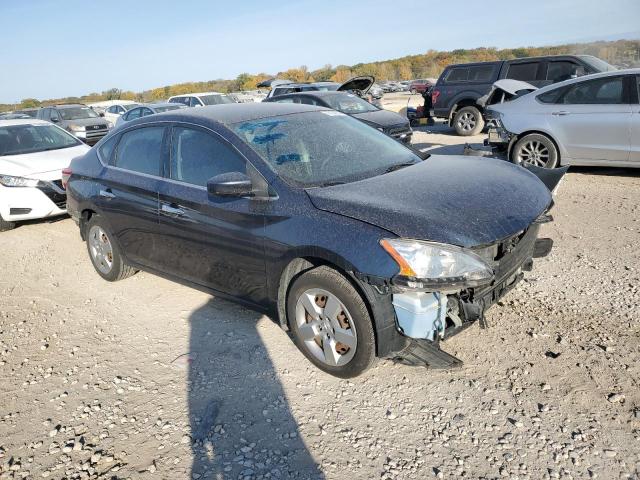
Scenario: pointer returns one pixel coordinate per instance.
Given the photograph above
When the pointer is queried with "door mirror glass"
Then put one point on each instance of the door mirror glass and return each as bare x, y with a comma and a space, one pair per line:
232, 184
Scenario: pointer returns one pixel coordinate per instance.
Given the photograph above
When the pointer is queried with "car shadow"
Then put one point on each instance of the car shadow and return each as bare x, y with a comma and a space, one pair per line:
241, 423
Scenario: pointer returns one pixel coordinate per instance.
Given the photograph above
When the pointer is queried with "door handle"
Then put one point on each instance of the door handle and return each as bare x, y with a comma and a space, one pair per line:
107, 194
561, 113
171, 211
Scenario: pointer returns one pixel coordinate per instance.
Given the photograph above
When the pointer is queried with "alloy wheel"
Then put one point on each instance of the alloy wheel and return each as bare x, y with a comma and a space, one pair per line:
467, 121
326, 327
534, 153
101, 249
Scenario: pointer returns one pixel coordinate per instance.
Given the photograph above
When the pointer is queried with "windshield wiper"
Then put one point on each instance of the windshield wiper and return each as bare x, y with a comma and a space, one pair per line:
398, 166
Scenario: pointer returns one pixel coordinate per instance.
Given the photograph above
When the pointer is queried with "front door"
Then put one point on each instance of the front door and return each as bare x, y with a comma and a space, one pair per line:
217, 242
635, 125
591, 120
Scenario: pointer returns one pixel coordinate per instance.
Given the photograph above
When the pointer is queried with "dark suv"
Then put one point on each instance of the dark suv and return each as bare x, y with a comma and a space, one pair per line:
79, 120
460, 86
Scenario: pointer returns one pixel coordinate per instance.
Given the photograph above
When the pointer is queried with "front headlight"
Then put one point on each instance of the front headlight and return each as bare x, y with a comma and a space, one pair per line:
76, 128
109, 125
436, 266
9, 181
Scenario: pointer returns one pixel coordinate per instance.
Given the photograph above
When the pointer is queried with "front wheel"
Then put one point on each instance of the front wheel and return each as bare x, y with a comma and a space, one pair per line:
330, 323
104, 252
535, 149
468, 121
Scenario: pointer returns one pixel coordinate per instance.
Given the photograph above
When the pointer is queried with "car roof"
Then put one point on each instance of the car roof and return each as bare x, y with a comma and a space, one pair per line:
23, 121
306, 84
613, 73
197, 94
69, 105
229, 114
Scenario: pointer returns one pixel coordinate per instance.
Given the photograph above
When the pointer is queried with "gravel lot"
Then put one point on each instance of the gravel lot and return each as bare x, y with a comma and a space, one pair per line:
146, 378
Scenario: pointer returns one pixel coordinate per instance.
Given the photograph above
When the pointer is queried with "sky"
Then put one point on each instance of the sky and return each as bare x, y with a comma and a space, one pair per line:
59, 48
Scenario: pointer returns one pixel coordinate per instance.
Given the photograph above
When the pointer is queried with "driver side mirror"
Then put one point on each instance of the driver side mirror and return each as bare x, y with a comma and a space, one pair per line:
55, 119
232, 184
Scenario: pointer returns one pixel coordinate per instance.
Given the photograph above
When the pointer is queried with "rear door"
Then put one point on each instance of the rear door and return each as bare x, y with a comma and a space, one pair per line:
128, 196
592, 119
213, 241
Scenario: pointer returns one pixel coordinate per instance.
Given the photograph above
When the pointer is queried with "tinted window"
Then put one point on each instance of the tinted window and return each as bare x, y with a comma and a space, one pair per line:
604, 91
113, 109
106, 149
523, 71
477, 73
145, 112
45, 114
551, 96
309, 101
197, 156
140, 150
53, 114
560, 71
194, 102
216, 99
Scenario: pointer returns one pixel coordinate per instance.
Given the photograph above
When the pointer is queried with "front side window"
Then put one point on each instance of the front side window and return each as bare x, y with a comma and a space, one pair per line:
22, 139
196, 156
525, 72
563, 70
146, 111
322, 147
603, 91
140, 150
77, 113
194, 102
53, 115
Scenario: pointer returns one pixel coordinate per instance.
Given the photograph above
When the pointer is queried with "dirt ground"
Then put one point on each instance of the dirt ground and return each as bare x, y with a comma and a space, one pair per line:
146, 378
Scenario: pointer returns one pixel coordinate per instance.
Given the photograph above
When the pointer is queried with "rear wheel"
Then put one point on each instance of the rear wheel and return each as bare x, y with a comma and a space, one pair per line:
4, 225
468, 121
535, 149
330, 323
104, 252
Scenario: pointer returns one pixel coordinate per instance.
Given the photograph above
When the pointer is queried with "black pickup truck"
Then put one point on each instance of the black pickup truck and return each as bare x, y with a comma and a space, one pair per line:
459, 87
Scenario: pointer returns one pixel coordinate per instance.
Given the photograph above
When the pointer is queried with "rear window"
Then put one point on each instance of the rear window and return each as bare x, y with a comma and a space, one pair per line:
477, 73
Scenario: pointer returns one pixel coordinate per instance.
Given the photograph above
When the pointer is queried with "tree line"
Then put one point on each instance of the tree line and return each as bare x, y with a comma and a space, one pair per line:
622, 53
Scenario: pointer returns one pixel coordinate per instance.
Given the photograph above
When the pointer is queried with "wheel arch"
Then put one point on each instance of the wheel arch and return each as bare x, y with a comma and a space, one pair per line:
299, 265
537, 132
467, 100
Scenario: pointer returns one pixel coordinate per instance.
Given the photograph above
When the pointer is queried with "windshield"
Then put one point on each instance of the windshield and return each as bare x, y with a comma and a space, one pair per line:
21, 139
349, 103
321, 148
77, 113
597, 64
215, 99
166, 108
130, 106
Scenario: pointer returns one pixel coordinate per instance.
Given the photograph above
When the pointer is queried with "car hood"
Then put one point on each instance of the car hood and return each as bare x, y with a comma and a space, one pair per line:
41, 165
362, 84
504, 90
84, 122
458, 200
383, 118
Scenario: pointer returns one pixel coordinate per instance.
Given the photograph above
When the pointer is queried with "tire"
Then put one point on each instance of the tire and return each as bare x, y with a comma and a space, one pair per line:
468, 121
104, 252
5, 226
535, 149
339, 341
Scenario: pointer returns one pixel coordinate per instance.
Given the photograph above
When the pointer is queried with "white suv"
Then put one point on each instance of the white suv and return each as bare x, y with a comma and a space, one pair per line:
202, 99
33, 154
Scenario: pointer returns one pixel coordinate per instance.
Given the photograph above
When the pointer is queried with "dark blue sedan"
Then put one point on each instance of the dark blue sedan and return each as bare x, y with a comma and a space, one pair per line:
354, 243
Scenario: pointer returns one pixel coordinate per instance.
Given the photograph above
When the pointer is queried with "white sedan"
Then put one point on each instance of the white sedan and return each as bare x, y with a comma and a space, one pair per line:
591, 120
33, 154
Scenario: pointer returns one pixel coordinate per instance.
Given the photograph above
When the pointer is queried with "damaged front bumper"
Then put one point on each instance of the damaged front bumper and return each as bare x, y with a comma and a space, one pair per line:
425, 318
